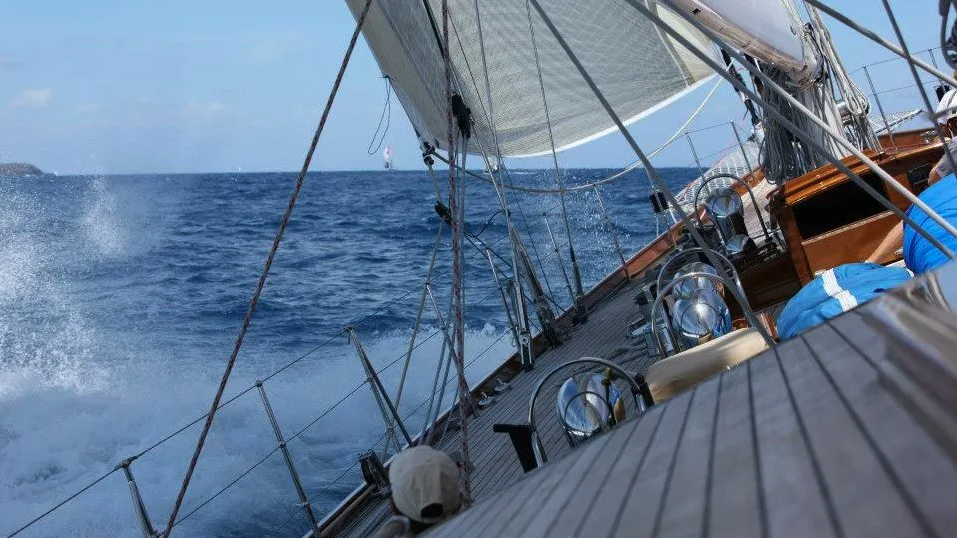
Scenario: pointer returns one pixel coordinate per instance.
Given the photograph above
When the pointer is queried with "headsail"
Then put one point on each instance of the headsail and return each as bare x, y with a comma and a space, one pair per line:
637, 67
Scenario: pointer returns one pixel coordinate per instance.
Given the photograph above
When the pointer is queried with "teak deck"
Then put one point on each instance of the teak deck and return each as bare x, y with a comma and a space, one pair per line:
495, 463
847, 430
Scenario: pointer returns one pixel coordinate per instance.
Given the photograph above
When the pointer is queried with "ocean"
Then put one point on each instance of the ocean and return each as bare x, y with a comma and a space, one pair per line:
121, 296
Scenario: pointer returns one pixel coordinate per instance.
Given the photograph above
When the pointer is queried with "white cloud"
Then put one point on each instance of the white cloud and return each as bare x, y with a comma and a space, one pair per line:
32, 98
196, 108
270, 50
89, 108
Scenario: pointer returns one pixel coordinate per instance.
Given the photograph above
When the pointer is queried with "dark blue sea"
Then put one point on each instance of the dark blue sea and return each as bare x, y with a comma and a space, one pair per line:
121, 296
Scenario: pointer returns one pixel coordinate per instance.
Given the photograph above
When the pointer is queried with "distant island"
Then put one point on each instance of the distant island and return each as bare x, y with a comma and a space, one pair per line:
19, 170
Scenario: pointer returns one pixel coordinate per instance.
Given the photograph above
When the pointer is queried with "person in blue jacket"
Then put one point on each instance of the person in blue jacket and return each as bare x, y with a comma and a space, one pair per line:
941, 196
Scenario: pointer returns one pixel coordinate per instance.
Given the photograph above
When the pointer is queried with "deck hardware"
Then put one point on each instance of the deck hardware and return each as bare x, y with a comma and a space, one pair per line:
754, 199
501, 386
525, 437
141, 514
504, 291
664, 292
374, 473
303, 499
694, 153
386, 408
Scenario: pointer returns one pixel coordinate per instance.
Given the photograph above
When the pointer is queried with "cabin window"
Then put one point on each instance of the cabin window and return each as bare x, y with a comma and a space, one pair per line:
837, 206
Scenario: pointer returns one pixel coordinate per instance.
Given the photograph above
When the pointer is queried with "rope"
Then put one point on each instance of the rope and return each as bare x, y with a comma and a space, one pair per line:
454, 206
265, 273
385, 116
923, 92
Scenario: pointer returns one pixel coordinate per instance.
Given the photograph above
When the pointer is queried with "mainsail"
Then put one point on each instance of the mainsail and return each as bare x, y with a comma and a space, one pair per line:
493, 55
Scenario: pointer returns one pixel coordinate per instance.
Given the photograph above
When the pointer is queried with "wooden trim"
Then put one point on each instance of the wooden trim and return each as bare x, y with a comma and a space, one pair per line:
853, 242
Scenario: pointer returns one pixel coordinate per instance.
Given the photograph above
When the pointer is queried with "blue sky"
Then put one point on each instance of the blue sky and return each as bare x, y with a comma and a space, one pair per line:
175, 86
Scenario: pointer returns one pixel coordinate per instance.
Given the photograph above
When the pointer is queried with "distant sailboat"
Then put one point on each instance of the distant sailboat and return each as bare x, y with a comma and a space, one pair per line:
387, 157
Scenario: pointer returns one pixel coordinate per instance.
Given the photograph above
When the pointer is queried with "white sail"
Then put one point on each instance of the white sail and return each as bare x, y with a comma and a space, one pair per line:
769, 30
638, 68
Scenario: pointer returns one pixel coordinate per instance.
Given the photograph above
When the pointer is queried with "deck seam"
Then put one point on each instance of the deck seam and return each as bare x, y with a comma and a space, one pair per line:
638, 468
812, 454
709, 478
659, 514
755, 447
594, 499
875, 448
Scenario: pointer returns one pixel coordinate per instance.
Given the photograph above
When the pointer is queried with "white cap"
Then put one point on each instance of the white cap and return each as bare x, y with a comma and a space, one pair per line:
947, 107
421, 477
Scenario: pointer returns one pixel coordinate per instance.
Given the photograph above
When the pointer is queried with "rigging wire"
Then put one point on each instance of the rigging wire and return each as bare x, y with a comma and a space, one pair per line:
884, 176
325, 413
577, 294
501, 193
920, 88
247, 320
386, 116
63, 502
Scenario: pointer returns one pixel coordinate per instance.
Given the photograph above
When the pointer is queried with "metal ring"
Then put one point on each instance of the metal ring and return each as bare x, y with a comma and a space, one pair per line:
661, 296
754, 199
722, 257
537, 447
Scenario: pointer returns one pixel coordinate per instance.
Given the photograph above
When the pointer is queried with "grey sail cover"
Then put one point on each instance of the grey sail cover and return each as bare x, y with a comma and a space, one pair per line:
637, 67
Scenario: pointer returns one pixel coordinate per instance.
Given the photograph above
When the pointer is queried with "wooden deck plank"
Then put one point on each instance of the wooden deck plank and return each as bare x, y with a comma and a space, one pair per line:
811, 438
734, 462
641, 501
843, 452
488, 514
682, 512
787, 473
542, 506
921, 469
567, 523
602, 513
496, 462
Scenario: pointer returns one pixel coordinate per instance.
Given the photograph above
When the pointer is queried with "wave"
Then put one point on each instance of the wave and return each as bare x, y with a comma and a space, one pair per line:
72, 420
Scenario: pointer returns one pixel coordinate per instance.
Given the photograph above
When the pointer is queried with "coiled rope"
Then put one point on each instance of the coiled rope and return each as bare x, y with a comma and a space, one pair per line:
265, 272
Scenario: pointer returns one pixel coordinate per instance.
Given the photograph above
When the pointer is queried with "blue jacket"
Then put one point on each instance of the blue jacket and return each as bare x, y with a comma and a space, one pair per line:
919, 254
834, 292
